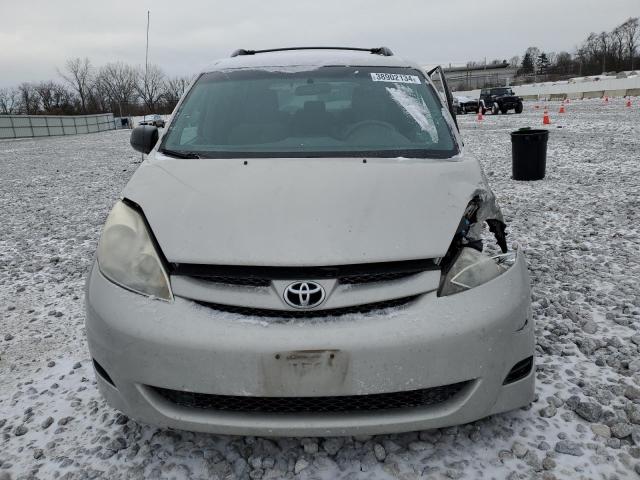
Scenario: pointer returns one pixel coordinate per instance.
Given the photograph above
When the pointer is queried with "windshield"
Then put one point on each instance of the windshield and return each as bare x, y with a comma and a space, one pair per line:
325, 112
501, 91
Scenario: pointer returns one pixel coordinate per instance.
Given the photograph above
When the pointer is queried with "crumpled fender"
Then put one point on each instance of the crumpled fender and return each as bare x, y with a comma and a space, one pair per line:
488, 211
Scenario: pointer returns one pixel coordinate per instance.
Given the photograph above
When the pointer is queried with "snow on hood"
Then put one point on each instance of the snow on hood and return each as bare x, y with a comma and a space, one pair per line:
294, 212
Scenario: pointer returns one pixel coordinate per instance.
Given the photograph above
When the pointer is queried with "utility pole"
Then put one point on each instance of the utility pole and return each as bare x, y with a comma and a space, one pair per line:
146, 73
146, 65
146, 55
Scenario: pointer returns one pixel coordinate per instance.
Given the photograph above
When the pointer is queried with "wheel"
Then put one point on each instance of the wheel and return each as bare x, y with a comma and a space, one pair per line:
504, 111
495, 109
519, 108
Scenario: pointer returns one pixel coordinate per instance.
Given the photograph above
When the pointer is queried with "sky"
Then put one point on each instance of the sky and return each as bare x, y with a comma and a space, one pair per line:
37, 36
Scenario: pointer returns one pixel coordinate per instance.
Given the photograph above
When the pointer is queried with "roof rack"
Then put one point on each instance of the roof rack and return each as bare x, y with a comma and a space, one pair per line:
384, 51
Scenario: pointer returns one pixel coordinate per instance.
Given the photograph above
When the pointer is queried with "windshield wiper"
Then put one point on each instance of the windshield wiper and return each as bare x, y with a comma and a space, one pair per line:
179, 154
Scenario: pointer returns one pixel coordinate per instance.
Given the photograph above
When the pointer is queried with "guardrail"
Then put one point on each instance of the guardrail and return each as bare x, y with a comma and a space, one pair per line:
22, 126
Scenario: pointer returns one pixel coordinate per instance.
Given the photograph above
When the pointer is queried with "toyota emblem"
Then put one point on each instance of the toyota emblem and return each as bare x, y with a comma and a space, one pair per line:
304, 294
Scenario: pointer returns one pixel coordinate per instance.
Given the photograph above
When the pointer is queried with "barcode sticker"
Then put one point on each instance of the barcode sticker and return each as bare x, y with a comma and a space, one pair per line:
395, 78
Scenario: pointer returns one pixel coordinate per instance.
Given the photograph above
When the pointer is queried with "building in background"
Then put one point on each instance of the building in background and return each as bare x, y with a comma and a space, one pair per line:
480, 76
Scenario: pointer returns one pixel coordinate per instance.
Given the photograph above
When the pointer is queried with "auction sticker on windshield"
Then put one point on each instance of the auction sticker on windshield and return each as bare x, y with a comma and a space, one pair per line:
394, 77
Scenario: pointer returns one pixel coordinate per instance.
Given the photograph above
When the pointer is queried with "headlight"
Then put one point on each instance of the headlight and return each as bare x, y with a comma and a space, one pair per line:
127, 256
472, 268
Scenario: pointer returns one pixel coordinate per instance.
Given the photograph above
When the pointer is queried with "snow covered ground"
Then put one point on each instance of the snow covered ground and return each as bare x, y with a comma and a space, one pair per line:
579, 228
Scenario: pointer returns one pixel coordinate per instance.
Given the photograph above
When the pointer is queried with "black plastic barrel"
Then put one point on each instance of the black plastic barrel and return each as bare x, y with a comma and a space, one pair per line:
529, 153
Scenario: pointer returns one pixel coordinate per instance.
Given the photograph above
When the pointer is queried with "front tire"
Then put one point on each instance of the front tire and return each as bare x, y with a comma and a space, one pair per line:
519, 108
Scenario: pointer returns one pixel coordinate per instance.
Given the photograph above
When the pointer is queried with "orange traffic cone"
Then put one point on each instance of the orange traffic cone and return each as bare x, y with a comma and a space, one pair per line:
561, 109
480, 117
606, 99
628, 103
545, 118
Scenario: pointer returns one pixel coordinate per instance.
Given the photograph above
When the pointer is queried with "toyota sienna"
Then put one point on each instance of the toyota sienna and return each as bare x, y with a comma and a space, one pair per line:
309, 249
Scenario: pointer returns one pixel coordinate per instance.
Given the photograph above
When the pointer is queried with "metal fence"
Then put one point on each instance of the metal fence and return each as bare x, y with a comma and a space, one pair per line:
20, 126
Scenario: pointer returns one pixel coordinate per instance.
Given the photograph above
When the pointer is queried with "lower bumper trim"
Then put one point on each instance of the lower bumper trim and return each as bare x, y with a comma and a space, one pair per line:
330, 404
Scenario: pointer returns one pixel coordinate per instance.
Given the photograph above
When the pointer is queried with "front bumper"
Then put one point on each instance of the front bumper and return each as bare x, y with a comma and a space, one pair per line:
510, 104
475, 337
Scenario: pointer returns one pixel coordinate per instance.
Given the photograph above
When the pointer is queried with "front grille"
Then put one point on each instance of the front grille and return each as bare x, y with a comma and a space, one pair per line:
330, 312
261, 276
338, 404
243, 281
346, 280
376, 277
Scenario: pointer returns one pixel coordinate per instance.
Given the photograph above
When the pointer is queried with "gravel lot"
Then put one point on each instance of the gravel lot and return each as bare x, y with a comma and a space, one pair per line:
578, 227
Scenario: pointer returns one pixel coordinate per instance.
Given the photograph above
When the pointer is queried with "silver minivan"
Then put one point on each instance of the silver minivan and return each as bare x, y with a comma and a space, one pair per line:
308, 249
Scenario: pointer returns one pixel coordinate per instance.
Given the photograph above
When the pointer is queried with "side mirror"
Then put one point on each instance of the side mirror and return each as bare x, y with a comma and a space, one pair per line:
144, 138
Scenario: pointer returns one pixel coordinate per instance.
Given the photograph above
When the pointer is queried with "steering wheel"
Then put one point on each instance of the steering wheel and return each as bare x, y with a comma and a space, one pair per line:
366, 123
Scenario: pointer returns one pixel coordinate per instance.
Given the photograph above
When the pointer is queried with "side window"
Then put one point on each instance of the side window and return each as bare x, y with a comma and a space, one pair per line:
439, 80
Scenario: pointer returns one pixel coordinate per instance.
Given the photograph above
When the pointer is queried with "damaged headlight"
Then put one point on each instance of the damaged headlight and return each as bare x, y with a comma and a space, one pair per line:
127, 255
472, 268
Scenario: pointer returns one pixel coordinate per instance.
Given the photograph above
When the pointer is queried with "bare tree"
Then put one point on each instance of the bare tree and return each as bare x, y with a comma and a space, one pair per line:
590, 55
29, 101
9, 99
563, 62
533, 53
119, 82
174, 88
101, 97
150, 86
631, 36
618, 46
54, 97
604, 41
44, 90
78, 74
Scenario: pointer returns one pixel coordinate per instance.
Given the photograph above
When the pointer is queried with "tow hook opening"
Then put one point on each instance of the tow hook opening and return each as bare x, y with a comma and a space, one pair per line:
102, 373
520, 370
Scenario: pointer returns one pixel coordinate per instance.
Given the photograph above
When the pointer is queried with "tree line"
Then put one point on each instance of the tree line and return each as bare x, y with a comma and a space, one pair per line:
84, 89
613, 51
603, 52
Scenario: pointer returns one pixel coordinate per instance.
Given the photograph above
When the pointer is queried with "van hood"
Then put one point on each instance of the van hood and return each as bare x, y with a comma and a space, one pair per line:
304, 212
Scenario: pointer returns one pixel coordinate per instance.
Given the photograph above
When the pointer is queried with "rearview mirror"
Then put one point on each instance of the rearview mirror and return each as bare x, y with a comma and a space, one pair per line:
313, 89
144, 138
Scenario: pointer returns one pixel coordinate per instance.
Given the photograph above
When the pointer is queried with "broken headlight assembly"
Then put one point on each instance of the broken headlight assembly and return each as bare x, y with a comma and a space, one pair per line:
465, 266
127, 255
472, 268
